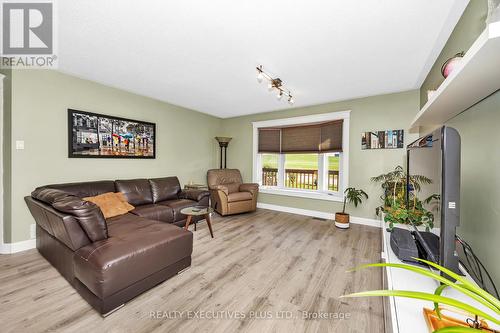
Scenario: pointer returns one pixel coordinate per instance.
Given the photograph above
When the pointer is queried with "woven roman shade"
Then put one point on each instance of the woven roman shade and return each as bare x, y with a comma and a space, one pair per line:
269, 140
331, 137
300, 139
314, 138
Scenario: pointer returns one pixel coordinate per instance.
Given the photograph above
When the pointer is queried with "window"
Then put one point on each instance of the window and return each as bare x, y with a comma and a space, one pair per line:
301, 171
303, 156
333, 161
270, 164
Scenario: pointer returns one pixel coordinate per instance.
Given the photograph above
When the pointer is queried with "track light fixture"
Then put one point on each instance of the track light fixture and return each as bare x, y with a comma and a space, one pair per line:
274, 84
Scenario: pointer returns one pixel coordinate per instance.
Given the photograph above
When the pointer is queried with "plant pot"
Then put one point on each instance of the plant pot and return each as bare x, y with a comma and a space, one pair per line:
342, 220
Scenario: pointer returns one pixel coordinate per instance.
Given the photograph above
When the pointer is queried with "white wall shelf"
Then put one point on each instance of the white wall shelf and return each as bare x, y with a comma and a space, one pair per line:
476, 77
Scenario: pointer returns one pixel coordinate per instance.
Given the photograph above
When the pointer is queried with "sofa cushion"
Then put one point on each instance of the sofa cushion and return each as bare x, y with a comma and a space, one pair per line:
177, 205
139, 249
111, 204
88, 214
233, 187
165, 188
137, 191
123, 224
48, 195
239, 196
64, 227
195, 195
86, 189
223, 176
155, 212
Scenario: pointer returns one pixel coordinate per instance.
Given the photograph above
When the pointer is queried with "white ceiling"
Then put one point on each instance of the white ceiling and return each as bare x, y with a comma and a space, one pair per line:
202, 54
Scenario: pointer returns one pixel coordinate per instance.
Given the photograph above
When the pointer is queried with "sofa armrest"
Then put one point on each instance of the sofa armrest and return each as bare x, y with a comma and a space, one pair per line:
195, 195
221, 188
88, 214
64, 227
249, 187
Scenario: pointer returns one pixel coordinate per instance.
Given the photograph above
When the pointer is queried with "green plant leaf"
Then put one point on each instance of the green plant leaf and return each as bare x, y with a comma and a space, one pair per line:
438, 291
422, 271
427, 297
469, 285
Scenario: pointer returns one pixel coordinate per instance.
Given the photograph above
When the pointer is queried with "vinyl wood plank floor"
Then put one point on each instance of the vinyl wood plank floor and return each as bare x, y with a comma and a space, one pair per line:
263, 272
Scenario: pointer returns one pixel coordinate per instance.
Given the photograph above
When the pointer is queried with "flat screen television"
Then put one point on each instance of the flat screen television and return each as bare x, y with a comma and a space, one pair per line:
437, 156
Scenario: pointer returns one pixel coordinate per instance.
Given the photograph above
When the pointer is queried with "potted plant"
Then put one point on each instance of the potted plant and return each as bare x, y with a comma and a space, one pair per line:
394, 186
477, 317
351, 195
394, 206
413, 213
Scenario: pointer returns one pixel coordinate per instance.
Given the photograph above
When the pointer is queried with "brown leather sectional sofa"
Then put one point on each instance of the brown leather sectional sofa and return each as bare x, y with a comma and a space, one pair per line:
111, 261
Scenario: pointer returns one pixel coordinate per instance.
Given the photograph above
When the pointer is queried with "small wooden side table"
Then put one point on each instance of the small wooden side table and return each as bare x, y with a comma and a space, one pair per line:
198, 211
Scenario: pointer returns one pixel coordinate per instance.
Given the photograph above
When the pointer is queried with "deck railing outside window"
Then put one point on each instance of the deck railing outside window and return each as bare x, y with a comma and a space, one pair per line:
300, 178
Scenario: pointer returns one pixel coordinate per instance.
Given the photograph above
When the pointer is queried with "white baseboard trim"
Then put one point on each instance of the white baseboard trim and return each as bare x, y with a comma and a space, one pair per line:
9, 248
366, 221
318, 214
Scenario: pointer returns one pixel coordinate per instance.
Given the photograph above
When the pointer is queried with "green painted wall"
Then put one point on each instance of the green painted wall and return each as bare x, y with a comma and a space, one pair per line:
468, 28
478, 128
480, 183
40, 99
185, 140
393, 111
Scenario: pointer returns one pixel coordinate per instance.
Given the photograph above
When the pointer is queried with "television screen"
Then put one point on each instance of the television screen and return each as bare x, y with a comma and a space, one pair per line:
424, 166
96, 135
433, 188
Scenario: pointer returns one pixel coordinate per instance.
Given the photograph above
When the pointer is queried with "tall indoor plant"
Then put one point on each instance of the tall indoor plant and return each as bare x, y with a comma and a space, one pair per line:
351, 195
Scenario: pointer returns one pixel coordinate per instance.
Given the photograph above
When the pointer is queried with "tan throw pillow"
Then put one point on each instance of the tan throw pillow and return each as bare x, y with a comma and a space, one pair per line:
123, 199
111, 204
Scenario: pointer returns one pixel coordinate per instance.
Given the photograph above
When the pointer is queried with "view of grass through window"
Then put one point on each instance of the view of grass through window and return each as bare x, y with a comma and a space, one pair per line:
301, 171
333, 172
299, 161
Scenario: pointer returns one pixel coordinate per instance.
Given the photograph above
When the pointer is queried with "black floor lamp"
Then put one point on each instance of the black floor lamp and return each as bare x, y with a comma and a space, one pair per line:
223, 143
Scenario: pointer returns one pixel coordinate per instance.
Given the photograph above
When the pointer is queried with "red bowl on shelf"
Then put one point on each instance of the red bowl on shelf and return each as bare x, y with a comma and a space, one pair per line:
450, 64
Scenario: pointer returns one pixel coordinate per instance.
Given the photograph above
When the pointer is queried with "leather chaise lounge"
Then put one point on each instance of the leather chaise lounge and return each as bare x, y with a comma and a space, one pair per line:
109, 262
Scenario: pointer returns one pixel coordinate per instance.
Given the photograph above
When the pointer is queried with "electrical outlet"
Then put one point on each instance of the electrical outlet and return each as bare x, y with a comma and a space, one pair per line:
33, 231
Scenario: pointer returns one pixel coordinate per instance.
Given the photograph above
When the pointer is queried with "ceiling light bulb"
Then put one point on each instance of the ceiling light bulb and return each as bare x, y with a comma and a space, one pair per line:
280, 95
270, 86
291, 101
260, 77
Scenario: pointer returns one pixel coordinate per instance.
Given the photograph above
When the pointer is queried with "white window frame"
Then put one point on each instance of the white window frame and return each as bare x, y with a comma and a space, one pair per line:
2, 119
311, 194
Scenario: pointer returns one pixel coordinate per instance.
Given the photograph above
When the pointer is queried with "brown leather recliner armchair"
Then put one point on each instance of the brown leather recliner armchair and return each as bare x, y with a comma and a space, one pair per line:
229, 194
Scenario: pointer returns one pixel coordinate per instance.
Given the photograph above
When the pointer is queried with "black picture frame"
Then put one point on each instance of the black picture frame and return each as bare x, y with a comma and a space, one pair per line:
107, 148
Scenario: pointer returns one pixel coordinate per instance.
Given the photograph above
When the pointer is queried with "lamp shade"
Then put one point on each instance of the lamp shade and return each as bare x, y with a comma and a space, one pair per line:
223, 139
